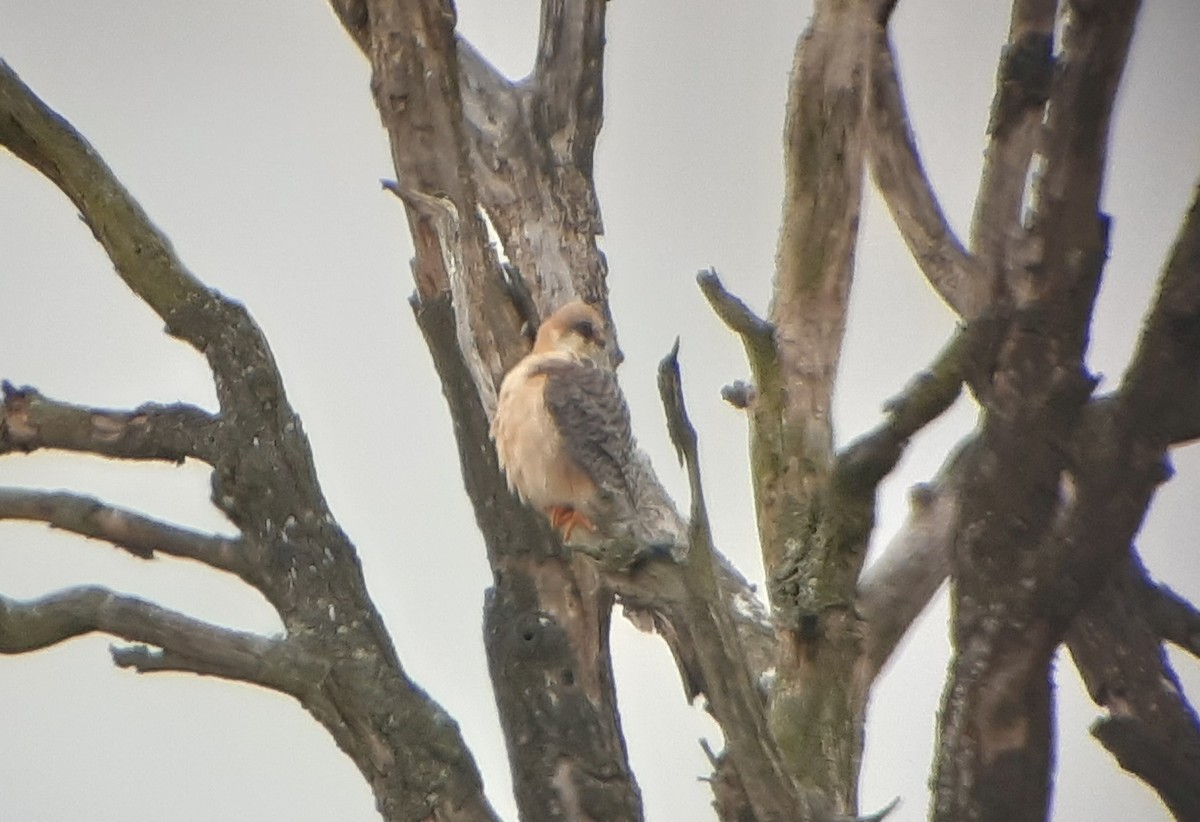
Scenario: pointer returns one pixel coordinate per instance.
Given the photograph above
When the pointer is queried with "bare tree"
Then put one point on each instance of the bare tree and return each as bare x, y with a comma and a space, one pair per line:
1032, 517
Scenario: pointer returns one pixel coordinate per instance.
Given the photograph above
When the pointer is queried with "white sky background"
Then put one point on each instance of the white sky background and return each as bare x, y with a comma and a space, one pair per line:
247, 132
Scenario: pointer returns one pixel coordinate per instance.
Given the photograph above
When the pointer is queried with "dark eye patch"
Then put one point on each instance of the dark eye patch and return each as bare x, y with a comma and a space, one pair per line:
585, 329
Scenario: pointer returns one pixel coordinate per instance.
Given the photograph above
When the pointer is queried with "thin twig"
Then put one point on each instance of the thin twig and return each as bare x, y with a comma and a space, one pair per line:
732, 696
740, 318
30, 421
135, 533
272, 663
1171, 616
867, 460
758, 339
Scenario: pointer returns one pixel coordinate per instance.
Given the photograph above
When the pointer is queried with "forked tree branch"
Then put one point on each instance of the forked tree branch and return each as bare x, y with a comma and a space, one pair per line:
866, 461
192, 644
531, 147
1120, 444
733, 697
415, 81
244, 370
541, 635
135, 533
265, 481
530, 153
433, 91
1116, 640
1121, 447
568, 82
1092, 582
1149, 726
30, 421
1023, 565
920, 564
813, 528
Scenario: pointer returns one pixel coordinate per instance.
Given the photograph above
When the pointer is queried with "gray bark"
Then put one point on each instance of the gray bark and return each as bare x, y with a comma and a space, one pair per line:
1032, 518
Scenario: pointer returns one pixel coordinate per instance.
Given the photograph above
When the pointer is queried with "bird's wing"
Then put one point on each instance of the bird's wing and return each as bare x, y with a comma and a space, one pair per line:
592, 418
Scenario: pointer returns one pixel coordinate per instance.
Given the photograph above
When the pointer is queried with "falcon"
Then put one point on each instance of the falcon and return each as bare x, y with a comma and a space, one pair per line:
562, 428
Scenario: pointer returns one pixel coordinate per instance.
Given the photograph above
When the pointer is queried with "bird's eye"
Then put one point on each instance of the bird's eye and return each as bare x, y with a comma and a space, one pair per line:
585, 329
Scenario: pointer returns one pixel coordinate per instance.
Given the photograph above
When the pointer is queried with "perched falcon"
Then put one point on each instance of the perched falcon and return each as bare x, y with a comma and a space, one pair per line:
562, 427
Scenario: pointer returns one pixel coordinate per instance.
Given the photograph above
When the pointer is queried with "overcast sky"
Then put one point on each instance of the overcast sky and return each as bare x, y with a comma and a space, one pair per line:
247, 132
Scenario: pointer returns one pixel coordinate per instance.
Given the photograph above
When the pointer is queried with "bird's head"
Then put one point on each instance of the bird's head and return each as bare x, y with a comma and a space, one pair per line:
576, 329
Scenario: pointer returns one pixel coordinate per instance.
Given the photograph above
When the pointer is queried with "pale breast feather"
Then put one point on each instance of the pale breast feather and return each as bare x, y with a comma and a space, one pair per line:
530, 449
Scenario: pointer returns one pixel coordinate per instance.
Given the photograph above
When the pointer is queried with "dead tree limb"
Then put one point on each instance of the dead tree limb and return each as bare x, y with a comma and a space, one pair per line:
1012, 605
173, 433
141, 536
265, 483
1149, 726
951, 270
1023, 80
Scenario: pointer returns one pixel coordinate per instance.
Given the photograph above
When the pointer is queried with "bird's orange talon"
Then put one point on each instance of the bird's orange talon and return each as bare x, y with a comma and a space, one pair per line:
561, 426
565, 520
